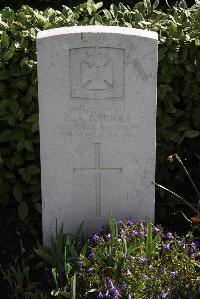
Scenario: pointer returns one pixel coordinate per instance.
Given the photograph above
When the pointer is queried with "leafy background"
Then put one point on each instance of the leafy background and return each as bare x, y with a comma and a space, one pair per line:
57, 4
178, 114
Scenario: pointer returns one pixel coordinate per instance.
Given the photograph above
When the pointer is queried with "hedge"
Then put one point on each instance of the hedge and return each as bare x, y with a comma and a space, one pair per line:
57, 4
178, 88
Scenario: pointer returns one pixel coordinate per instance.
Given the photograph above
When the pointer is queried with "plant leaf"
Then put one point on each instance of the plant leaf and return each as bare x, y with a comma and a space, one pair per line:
23, 210
17, 193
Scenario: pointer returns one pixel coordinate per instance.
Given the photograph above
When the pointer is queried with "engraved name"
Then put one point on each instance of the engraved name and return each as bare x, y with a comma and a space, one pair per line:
102, 120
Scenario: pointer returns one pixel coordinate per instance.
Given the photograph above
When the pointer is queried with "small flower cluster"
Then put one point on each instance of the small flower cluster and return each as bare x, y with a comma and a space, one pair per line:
139, 261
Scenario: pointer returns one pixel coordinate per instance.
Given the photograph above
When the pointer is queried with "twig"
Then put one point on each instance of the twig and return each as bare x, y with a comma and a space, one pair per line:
177, 196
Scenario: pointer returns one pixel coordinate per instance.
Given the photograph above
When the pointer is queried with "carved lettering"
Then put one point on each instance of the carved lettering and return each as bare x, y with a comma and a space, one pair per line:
102, 120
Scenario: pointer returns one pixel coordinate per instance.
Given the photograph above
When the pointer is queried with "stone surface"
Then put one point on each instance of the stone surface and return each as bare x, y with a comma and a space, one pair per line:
97, 105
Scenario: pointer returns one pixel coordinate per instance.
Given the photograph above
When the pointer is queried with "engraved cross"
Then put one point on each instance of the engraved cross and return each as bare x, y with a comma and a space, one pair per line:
96, 72
97, 168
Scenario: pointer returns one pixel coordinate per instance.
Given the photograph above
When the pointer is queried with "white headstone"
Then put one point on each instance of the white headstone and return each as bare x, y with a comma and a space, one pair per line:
97, 107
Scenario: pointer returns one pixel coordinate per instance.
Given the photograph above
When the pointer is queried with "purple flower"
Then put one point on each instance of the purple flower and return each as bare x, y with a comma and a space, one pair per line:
142, 223
197, 243
134, 233
198, 289
119, 222
124, 286
106, 294
108, 237
91, 256
80, 263
156, 230
115, 293
145, 277
167, 246
89, 270
150, 267
129, 222
193, 245
95, 237
128, 273
113, 290
142, 234
174, 273
142, 260
110, 283
100, 230
129, 296
102, 295
169, 236
164, 295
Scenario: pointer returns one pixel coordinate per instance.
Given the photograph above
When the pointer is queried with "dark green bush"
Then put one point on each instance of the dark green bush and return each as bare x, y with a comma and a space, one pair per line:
39, 4
57, 4
178, 88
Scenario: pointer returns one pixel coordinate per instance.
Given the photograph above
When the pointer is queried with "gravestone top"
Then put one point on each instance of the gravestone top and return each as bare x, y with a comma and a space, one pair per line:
97, 29
97, 117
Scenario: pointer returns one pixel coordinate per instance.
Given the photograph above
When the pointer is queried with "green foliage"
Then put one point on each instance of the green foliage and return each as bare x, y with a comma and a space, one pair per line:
194, 207
17, 277
145, 263
63, 293
178, 86
57, 4
61, 255
151, 241
121, 260
60, 250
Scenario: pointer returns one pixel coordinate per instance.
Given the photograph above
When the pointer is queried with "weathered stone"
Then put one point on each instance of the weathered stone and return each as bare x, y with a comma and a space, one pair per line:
97, 104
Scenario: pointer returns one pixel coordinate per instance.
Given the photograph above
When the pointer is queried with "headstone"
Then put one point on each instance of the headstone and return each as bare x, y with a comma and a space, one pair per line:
97, 111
